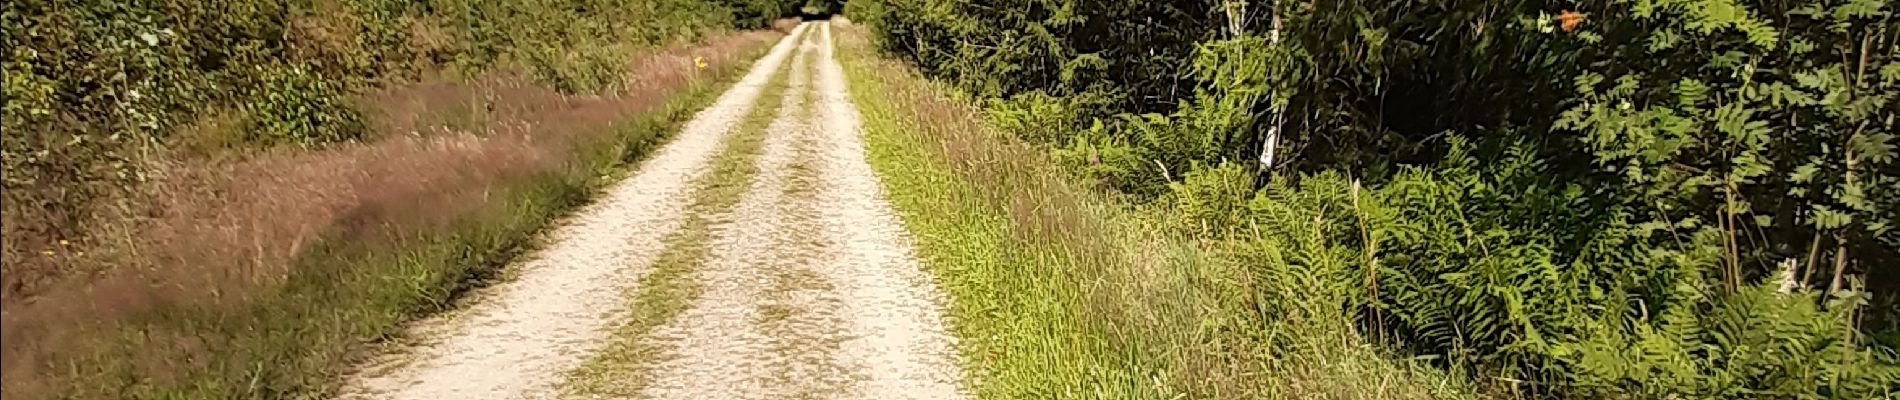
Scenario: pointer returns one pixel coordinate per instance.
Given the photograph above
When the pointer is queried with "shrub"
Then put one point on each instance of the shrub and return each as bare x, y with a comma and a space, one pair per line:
292, 105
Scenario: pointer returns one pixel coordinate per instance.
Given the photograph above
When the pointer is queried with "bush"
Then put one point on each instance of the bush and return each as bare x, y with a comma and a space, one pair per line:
292, 105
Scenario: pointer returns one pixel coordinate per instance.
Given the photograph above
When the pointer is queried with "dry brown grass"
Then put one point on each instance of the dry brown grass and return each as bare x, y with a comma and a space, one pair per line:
219, 231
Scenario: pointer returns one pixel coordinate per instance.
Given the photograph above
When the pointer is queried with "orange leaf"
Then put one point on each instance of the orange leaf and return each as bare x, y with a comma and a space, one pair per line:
1571, 20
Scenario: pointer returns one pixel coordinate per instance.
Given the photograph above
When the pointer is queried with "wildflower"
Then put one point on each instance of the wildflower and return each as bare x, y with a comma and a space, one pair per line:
699, 62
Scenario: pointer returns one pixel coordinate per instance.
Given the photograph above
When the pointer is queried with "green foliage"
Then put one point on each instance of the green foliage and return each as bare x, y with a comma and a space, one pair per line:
1777, 109
1755, 343
1062, 47
753, 14
1469, 264
1063, 295
1212, 197
1623, 175
1108, 161
295, 106
1044, 118
583, 46
94, 89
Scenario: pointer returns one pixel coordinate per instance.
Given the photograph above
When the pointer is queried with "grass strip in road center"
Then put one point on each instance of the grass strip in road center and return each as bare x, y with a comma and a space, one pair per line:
800, 306
623, 368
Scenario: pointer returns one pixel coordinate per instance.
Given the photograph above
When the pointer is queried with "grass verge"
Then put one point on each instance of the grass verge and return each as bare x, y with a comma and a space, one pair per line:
623, 368
289, 340
1062, 293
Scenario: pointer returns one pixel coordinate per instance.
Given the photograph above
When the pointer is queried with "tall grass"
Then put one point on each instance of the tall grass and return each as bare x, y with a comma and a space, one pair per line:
340, 246
1060, 292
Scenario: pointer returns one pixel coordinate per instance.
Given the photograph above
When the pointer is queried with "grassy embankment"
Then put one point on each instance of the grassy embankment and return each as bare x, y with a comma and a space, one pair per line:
389, 257
1061, 292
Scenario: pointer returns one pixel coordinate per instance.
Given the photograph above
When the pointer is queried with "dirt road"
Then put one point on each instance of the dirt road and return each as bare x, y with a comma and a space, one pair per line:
807, 287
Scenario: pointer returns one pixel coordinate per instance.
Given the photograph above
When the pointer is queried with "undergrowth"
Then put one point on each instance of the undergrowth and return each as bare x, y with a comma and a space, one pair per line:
1624, 199
1062, 293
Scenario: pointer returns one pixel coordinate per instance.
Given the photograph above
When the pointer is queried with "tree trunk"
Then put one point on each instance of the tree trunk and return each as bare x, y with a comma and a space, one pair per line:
1814, 255
1840, 263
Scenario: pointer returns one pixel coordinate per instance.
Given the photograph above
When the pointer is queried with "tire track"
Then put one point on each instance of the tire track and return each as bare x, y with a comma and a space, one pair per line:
516, 339
779, 271
898, 336
811, 290
712, 345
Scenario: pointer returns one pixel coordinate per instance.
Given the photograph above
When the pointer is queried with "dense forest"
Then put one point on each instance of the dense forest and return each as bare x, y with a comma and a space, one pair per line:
1626, 199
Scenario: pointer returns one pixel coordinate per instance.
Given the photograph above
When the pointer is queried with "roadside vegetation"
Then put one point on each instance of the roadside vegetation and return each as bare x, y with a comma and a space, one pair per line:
1060, 292
228, 199
625, 367
1228, 199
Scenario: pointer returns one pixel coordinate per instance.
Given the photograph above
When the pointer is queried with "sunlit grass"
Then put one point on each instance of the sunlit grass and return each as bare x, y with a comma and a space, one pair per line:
1059, 292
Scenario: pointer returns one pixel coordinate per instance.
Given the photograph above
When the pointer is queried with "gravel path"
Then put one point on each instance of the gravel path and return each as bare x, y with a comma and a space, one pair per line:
896, 322
812, 291
809, 288
710, 345
516, 339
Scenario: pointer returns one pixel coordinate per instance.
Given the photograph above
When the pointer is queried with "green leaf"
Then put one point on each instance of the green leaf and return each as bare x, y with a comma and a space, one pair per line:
1690, 91
1731, 119
1858, 9
1826, 218
1875, 148
1816, 80
1780, 94
1803, 173
1663, 39
1854, 196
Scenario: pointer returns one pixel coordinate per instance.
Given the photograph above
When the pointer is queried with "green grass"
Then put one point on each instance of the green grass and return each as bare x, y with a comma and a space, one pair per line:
290, 341
623, 368
1059, 292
